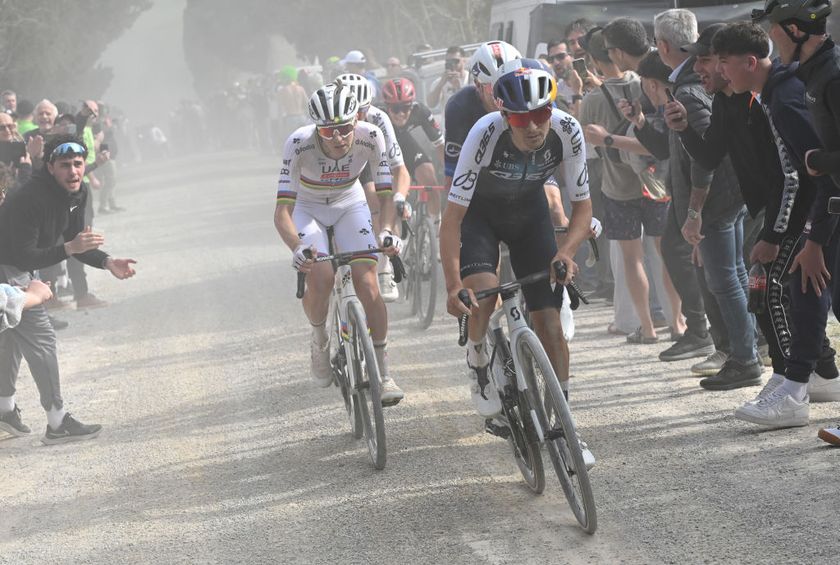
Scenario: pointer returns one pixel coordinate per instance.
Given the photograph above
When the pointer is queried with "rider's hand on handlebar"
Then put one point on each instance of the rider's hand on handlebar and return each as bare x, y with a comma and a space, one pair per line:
299, 260
396, 243
571, 267
596, 228
403, 208
454, 305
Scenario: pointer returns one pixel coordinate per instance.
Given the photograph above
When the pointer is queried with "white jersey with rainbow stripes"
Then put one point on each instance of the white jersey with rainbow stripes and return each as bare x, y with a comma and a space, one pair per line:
309, 175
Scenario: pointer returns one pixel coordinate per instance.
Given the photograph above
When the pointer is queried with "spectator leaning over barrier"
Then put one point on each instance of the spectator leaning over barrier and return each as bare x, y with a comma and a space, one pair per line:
32, 221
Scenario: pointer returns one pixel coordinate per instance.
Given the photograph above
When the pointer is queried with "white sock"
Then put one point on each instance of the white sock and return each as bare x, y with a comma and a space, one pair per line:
55, 416
7, 404
381, 358
796, 390
319, 333
477, 353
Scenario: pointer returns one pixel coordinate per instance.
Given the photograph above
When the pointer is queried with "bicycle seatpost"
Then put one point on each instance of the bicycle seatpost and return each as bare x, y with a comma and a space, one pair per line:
464, 297
301, 277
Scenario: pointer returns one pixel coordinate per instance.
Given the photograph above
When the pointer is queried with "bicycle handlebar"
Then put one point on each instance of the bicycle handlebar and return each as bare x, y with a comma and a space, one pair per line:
575, 294
399, 268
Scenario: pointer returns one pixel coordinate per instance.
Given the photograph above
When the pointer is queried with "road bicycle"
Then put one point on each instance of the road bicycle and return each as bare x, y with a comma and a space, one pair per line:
352, 357
535, 413
420, 256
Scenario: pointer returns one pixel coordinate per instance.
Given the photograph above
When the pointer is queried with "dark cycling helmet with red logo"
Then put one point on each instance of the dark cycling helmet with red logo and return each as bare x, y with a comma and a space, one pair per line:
398, 91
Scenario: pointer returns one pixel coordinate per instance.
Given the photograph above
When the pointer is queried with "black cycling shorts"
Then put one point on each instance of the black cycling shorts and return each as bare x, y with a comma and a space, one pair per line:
532, 247
413, 154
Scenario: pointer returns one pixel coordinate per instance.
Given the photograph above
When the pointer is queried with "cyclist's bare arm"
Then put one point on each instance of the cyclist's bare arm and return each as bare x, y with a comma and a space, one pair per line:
450, 254
285, 226
555, 205
374, 202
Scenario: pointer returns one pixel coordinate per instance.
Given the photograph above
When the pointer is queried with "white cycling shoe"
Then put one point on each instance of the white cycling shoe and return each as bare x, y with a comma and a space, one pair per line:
486, 399
588, 457
320, 364
391, 393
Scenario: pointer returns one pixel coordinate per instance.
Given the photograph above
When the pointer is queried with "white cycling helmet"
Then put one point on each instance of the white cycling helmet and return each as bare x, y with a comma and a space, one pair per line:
523, 85
333, 103
360, 87
489, 57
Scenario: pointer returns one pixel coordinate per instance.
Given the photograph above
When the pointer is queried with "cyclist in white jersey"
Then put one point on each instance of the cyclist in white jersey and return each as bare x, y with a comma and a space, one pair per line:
399, 172
319, 188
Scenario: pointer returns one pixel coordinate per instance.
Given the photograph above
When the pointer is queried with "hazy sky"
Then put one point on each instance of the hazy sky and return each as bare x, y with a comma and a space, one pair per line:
150, 74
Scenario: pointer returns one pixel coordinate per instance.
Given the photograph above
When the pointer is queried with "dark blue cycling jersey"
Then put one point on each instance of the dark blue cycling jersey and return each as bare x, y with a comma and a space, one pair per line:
463, 110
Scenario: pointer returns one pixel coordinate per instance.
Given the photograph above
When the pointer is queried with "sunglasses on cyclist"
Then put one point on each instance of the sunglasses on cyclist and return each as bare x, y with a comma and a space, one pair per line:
523, 119
69, 148
399, 108
556, 57
343, 130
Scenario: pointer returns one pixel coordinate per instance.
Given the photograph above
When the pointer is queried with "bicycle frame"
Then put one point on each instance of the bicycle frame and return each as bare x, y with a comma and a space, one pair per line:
342, 295
517, 326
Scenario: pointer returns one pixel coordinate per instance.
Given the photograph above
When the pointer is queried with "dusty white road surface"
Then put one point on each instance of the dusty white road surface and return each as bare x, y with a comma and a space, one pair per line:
218, 449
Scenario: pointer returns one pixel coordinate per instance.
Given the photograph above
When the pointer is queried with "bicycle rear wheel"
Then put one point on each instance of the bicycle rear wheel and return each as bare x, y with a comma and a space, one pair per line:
425, 271
341, 376
368, 390
549, 407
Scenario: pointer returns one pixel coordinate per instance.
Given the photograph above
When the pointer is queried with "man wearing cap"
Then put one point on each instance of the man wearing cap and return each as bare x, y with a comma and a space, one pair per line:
707, 205
355, 62
32, 221
762, 135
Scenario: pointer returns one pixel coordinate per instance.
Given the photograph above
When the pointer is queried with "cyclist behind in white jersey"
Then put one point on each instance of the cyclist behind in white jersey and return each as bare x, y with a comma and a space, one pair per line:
399, 172
497, 195
318, 189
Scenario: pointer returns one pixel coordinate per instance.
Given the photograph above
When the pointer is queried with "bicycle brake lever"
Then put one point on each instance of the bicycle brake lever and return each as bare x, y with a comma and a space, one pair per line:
301, 277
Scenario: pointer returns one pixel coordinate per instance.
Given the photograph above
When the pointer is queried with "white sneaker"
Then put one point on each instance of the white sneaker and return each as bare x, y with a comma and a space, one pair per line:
391, 393
823, 390
486, 399
776, 410
773, 383
321, 369
830, 435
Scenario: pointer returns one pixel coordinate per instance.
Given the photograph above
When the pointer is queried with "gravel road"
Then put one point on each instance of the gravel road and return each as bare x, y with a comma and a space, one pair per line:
218, 449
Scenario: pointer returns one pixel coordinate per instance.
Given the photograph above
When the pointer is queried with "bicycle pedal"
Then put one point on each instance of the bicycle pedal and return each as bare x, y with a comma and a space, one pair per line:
496, 430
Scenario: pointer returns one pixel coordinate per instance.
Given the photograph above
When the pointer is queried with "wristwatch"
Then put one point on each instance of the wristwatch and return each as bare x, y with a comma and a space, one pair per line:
693, 214
576, 98
608, 141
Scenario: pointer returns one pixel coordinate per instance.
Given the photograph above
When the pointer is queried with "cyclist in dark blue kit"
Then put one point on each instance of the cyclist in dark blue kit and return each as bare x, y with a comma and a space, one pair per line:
498, 195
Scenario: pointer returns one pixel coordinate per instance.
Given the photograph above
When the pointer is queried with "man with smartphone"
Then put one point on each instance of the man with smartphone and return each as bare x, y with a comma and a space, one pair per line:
455, 77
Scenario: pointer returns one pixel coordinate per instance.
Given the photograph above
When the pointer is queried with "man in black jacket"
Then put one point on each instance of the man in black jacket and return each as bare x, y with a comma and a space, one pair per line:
32, 220
708, 208
767, 136
743, 51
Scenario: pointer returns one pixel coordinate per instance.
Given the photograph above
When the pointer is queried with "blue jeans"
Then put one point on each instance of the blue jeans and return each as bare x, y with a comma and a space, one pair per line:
726, 276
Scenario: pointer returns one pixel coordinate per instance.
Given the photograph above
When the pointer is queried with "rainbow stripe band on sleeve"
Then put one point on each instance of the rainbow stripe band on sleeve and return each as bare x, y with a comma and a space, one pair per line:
365, 259
383, 189
286, 197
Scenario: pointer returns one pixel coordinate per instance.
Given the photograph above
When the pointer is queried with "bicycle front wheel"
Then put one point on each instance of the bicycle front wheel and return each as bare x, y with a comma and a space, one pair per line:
425, 271
341, 375
368, 391
549, 407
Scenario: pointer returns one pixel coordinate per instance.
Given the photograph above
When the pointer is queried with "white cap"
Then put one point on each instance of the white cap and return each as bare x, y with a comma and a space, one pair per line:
354, 56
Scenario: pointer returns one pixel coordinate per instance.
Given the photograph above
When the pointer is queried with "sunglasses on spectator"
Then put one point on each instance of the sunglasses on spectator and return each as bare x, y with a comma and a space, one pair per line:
556, 57
343, 130
523, 119
399, 108
70, 148
8, 127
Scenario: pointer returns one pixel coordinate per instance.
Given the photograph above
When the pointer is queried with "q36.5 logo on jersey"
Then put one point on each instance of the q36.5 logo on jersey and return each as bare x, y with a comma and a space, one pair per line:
482, 145
452, 149
466, 182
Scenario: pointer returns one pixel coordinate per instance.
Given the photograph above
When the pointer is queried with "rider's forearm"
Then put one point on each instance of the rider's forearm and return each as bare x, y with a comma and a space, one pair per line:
401, 180
285, 226
387, 213
374, 203
579, 226
450, 246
